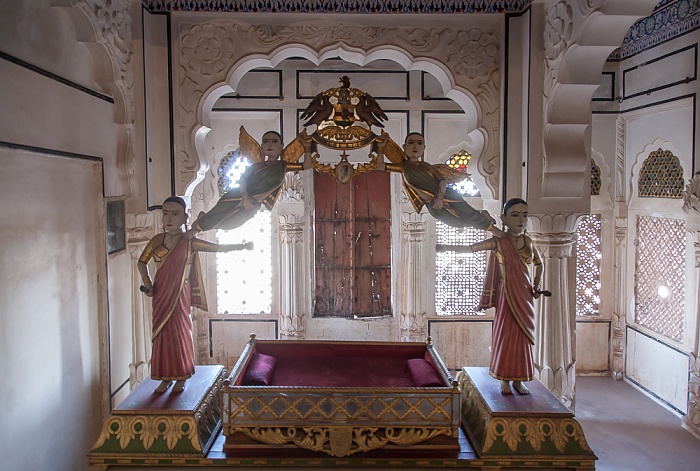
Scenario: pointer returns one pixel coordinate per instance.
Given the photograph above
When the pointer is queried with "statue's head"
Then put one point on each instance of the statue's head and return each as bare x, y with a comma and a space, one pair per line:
515, 215
174, 211
414, 146
272, 145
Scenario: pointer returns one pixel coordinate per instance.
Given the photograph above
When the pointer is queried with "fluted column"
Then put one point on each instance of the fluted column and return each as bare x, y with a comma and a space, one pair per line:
412, 294
291, 276
140, 229
555, 323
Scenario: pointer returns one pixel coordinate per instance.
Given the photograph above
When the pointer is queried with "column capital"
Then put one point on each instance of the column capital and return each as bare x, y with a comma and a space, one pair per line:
554, 223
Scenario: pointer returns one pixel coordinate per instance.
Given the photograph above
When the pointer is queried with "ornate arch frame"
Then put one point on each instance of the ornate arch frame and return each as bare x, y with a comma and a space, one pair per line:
242, 47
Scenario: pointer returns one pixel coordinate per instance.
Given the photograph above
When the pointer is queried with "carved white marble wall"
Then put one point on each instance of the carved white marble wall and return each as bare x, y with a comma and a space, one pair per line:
691, 206
107, 29
463, 58
555, 323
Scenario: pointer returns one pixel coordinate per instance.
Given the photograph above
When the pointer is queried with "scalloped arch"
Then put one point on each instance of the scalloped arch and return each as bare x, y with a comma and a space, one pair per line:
465, 99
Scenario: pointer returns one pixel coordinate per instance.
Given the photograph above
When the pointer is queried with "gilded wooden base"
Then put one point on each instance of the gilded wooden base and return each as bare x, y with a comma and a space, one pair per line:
520, 427
148, 425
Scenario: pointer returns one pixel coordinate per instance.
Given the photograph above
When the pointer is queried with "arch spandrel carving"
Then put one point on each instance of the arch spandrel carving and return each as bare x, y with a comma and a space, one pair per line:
210, 66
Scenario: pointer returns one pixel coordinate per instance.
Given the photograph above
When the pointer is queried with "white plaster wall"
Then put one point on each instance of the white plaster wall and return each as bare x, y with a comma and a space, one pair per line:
462, 342
592, 347
657, 369
52, 248
120, 331
53, 284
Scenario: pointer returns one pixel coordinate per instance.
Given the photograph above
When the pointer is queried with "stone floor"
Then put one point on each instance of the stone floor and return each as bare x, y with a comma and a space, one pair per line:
629, 431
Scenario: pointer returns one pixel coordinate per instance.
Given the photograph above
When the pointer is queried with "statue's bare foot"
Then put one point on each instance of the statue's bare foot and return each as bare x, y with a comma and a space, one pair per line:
163, 386
179, 385
505, 388
520, 387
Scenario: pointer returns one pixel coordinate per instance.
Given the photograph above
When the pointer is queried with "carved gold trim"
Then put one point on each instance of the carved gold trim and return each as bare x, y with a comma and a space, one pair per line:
148, 429
488, 432
344, 171
343, 440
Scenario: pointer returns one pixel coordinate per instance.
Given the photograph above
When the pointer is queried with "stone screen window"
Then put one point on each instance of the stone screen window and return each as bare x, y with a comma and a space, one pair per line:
661, 176
243, 277
459, 278
595, 179
588, 261
660, 275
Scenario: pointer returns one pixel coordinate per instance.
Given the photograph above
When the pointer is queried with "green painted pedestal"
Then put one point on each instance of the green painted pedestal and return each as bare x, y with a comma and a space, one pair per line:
148, 426
521, 428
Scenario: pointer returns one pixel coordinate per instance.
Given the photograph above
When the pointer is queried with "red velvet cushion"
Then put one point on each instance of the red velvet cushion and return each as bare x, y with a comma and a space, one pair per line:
423, 374
259, 371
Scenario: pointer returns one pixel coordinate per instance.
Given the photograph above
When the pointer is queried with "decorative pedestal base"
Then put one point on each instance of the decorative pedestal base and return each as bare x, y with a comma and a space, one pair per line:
148, 426
521, 430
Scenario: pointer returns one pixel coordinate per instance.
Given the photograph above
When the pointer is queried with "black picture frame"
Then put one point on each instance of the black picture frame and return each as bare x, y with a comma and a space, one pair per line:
116, 227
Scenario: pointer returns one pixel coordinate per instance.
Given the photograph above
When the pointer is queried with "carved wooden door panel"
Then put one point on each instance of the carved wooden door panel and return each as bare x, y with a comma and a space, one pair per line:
353, 246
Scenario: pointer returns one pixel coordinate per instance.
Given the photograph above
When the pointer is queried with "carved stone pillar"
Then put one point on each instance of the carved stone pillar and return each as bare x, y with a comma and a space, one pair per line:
619, 320
140, 229
291, 276
412, 296
619, 315
555, 323
691, 205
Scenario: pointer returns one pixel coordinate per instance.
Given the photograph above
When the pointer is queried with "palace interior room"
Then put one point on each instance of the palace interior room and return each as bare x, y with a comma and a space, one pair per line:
585, 108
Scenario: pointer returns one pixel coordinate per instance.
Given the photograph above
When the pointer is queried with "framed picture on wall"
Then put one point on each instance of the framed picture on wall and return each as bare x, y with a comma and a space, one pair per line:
116, 232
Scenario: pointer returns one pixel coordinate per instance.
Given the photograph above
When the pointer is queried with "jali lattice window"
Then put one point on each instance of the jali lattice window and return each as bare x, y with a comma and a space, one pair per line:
243, 278
595, 178
460, 161
588, 259
459, 278
660, 275
661, 176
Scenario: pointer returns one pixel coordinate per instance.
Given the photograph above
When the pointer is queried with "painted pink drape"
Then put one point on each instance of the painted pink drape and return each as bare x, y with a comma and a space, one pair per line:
173, 348
508, 287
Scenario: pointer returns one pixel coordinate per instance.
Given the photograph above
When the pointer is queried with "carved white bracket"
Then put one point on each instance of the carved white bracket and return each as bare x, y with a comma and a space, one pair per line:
691, 195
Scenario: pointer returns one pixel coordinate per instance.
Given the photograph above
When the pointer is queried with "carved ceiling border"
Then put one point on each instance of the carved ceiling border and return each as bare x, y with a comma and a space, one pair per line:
212, 59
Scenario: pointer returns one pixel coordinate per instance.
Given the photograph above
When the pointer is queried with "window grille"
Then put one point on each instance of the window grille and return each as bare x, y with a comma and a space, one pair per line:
459, 278
661, 176
660, 275
588, 260
595, 179
243, 278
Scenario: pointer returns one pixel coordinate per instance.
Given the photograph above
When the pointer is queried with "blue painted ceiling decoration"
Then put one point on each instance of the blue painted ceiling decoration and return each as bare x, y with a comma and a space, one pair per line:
340, 6
670, 19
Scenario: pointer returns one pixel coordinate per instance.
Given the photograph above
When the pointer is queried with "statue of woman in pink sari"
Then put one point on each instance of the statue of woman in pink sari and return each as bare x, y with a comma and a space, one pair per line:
177, 286
511, 288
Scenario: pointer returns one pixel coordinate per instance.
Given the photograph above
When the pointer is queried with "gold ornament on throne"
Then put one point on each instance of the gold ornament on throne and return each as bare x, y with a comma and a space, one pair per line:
344, 117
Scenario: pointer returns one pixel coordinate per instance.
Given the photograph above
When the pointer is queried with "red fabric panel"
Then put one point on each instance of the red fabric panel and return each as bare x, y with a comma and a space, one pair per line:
423, 374
351, 372
340, 365
259, 371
